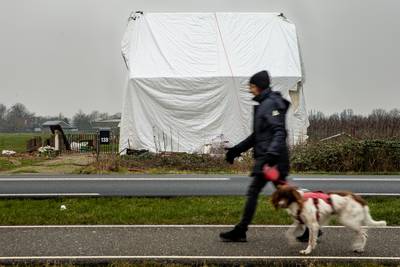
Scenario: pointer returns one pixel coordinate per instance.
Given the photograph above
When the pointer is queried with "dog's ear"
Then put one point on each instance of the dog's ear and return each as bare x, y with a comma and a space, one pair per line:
297, 196
275, 198
279, 186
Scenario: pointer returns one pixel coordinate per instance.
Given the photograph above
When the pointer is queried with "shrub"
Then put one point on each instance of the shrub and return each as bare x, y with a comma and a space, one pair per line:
347, 156
183, 162
330, 156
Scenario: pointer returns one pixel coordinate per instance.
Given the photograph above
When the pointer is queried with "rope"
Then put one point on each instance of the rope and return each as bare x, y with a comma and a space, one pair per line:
230, 67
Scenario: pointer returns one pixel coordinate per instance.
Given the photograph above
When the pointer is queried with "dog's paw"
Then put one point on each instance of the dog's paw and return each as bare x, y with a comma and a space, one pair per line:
305, 251
358, 250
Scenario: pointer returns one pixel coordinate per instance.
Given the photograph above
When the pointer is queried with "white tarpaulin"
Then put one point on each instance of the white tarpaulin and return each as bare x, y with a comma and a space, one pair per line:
188, 75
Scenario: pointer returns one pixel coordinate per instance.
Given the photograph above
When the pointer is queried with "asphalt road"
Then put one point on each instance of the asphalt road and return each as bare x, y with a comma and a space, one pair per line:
180, 185
186, 244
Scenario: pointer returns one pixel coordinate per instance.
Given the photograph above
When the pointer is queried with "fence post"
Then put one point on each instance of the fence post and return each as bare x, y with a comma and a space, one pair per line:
97, 145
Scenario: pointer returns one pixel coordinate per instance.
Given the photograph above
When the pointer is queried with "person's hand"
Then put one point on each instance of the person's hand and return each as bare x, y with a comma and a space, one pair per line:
271, 173
231, 154
271, 160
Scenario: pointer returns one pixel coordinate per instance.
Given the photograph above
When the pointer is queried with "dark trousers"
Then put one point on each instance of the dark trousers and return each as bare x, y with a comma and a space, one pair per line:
253, 191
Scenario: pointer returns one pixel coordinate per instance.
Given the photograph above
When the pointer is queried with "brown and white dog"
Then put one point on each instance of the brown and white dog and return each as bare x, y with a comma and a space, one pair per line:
315, 209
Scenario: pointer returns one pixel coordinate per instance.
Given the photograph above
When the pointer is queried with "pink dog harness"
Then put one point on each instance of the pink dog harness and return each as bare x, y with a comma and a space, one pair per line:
316, 196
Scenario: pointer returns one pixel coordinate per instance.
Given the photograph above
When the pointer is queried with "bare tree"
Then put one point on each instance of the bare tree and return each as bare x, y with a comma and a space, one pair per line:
379, 124
3, 112
18, 118
82, 121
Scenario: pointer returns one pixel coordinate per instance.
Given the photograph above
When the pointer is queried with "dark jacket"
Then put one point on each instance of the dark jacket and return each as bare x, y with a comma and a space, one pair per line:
269, 132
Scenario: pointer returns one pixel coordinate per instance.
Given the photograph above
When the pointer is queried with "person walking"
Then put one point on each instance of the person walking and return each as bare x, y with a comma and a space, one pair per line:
268, 141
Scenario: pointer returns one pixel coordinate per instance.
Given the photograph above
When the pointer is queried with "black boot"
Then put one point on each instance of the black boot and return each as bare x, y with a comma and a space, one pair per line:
235, 235
304, 237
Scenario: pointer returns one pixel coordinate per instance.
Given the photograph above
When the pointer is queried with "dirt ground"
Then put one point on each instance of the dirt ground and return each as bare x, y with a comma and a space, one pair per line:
64, 164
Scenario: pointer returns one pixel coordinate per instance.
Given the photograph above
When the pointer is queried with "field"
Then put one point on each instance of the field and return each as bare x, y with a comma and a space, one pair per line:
174, 210
15, 141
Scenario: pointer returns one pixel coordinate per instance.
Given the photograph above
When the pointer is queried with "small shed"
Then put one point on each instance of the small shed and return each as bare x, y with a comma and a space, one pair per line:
65, 126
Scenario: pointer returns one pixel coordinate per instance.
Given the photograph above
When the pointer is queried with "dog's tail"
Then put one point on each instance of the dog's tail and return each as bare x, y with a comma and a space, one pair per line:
368, 221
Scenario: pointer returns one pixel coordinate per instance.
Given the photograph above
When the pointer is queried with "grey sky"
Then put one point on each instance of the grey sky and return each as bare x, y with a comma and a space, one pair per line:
64, 55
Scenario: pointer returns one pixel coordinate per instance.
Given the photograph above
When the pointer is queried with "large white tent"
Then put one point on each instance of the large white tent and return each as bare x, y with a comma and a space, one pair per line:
188, 76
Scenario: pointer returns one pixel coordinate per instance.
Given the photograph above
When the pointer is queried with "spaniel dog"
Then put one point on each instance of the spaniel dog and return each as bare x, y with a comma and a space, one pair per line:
313, 209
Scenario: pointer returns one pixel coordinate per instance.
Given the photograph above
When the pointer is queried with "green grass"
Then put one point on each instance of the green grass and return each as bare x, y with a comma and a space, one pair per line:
272, 264
205, 264
15, 141
177, 210
10, 163
25, 170
6, 164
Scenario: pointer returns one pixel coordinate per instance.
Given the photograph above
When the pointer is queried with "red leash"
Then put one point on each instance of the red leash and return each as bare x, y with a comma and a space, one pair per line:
272, 174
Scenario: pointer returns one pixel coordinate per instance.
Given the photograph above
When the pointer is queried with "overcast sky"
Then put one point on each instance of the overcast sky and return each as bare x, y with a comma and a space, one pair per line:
64, 55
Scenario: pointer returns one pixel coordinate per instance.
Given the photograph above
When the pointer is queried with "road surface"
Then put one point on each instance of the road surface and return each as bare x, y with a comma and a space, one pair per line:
185, 244
180, 185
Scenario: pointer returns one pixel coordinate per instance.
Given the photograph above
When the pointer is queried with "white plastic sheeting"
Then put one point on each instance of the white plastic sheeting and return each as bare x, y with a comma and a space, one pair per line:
188, 76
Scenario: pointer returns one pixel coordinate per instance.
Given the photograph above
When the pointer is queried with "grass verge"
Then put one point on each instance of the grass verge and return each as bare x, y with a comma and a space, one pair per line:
176, 210
18, 162
271, 264
33, 164
157, 264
